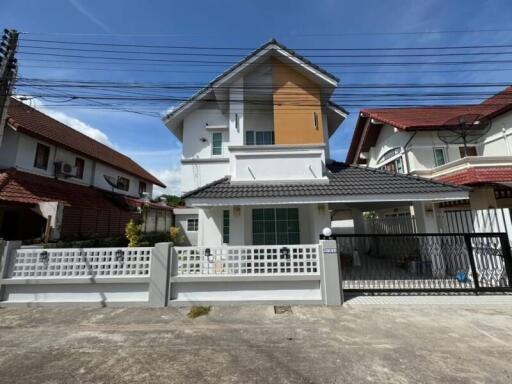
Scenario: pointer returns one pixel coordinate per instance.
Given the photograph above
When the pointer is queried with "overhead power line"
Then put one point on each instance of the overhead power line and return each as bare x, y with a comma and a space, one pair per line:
227, 48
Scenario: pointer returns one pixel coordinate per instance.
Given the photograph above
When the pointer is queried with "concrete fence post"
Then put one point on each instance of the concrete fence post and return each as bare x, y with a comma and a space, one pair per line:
8, 255
332, 293
159, 275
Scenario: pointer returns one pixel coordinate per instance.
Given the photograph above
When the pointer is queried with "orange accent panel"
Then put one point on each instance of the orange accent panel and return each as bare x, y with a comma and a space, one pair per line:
296, 100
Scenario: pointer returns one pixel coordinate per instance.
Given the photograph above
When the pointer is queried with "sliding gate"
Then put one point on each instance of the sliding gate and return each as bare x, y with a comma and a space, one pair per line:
476, 262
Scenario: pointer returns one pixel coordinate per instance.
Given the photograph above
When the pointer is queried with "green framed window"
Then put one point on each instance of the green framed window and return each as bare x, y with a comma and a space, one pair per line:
225, 227
259, 137
217, 143
272, 226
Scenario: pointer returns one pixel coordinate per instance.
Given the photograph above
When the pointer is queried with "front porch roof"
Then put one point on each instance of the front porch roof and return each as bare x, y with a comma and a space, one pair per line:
346, 184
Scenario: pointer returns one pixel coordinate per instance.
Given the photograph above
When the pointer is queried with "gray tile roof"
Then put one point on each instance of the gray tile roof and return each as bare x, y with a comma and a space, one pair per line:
344, 180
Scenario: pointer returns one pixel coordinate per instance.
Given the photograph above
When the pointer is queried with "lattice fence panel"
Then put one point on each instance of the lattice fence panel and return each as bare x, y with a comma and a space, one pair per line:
101, 262
248, 260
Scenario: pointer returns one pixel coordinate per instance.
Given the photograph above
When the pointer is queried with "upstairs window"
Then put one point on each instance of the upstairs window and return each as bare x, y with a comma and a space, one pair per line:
42, 156
468, 151
259, 137
192, 225
123, 183
217, 143
142, 188
439, 156
389, 154
79, 165
394, 166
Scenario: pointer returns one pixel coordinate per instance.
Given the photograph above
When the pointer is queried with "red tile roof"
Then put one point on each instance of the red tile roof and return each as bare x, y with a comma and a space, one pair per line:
416, 118
35, 123
472, 176
25, 188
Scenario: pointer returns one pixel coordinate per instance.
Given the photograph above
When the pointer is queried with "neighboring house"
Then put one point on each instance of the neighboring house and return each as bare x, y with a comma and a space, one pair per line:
406, 140
56, 182
256, 167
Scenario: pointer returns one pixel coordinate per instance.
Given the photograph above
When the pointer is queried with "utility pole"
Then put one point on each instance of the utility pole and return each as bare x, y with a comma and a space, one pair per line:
7, 72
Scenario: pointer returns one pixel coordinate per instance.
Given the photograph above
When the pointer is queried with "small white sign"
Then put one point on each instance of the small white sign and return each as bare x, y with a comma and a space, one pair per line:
329, 250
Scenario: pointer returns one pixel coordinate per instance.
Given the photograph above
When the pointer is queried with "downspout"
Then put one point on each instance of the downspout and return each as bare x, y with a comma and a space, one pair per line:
405, 152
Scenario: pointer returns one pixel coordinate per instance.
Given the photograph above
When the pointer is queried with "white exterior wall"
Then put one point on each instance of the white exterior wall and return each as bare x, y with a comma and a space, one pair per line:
498, 141
25, 152
197, 173
195, 129
100, 182
8, 147
312, 219
272, 165
181, 222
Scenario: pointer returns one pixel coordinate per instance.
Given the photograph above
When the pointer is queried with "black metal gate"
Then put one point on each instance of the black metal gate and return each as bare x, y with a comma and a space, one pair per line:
477, 262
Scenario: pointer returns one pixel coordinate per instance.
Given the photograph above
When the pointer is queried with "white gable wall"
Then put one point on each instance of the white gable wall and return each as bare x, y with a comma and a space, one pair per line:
23, 155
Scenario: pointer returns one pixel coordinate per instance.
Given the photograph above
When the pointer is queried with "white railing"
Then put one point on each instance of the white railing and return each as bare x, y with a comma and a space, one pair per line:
77, 262
248, 260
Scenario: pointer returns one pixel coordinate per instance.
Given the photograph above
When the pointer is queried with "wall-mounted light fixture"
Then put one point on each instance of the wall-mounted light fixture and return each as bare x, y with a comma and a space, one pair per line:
44, 257
120, 255
203, 139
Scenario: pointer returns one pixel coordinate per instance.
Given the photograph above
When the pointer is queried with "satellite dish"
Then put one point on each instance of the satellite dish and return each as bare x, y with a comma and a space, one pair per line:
464, 129
112, 181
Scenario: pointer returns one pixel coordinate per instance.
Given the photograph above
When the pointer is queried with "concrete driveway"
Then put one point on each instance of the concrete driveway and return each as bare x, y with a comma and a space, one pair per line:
351, 344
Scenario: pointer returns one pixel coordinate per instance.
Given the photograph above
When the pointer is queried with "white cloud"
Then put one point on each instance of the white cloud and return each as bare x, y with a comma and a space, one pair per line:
80, 126
171, 178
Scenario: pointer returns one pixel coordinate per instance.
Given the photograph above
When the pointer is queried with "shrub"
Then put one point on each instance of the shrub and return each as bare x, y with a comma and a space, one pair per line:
176, 237
133, 233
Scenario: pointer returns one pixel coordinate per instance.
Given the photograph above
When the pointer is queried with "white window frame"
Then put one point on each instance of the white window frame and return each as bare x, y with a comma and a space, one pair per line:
196, 225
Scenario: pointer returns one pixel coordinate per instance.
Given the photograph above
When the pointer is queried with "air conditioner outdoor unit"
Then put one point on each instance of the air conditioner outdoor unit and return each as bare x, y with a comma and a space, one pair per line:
64, 169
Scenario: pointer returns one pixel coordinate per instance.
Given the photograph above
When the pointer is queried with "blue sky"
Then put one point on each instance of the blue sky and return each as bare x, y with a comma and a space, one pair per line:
297, 24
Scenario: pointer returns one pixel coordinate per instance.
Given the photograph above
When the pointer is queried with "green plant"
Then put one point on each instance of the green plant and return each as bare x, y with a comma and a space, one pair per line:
197, 311
176, 236
133, 233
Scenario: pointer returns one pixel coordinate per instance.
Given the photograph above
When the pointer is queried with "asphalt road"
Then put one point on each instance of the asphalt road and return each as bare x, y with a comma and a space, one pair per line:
252, 344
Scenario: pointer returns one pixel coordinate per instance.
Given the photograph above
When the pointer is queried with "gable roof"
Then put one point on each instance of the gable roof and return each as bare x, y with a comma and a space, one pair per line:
345, 181
26, 188
269, 46
426, 118
32, 122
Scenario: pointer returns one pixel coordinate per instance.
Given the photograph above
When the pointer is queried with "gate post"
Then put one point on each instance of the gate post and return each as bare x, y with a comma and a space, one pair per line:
159, 275
332, 291
6, 262
507, 257
469, 246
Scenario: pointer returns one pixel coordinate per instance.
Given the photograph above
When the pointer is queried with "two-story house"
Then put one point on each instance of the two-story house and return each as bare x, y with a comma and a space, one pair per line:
421, 141
56, 182
256, 168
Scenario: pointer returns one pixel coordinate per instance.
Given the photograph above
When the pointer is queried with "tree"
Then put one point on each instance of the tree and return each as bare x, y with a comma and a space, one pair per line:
172, 200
